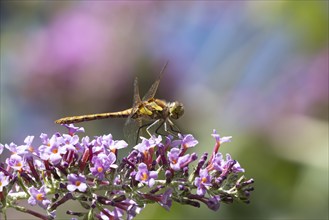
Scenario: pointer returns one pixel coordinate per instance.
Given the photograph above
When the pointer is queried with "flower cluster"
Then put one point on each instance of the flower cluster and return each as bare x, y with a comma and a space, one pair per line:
157, 170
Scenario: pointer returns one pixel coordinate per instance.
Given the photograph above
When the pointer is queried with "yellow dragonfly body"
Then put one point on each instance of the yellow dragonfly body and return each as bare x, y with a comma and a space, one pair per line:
154, 111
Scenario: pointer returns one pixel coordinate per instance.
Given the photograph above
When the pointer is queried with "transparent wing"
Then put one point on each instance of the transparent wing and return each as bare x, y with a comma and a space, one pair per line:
137, 98
130, 130
151, 92
132, 125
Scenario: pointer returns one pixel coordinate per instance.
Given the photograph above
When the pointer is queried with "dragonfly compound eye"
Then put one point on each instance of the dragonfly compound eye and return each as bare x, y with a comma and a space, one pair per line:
176, 110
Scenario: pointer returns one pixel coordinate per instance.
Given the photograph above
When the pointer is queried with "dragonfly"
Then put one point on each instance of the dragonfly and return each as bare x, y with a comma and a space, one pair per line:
147, 112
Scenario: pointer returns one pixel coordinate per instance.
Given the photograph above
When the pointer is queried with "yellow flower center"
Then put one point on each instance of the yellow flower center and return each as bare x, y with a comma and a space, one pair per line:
100, 169
55, 150
204, 179
39, 197
144, 177
77, 183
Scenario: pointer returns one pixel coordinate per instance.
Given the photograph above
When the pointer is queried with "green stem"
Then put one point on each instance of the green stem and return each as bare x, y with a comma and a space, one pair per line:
31, 212
21, 184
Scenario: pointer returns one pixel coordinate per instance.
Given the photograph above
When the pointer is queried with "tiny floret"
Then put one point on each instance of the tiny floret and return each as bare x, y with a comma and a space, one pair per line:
145, 176
38, 196
76, 182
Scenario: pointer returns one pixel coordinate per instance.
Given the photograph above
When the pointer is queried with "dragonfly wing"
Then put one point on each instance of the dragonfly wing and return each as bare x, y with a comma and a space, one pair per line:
151, 92
137, 98
131, 129
132, 125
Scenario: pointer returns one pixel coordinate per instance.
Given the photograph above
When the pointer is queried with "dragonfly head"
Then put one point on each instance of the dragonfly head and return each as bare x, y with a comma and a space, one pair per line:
176, 110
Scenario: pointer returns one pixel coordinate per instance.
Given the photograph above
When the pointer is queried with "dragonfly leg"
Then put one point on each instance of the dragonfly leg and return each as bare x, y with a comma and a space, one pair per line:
151, 125
173, 129
160, 125
141, 127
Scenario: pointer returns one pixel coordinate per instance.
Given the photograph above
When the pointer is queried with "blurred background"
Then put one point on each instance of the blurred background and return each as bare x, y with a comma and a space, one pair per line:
256, 70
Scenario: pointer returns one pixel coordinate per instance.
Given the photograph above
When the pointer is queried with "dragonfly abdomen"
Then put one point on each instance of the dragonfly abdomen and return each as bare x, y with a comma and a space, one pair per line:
82, 118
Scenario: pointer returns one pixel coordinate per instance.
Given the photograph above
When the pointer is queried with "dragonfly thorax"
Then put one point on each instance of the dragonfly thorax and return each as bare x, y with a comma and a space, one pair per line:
176, 110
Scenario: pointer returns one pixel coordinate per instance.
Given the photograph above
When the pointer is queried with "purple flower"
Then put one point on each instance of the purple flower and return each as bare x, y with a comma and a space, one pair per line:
11, 147
38, 197
72, 129
169, 139
229, 165
106, 140
85, 141
178, 162
53, 150
154, 141
221, 139
70, 141
165, 199
3, 181
213, 203
216, 163
106, 214
145, 176
94, 161
21, 150
146, 148
236, 167
118, 145
101, 163
44, 138
186, 141
15, 161
46, 144
97, 145
98, 169
130, 206
28, 141
55, 153
106, 144
76, 182
27, 148
146, 144
202, 182
133, 210
142, 147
